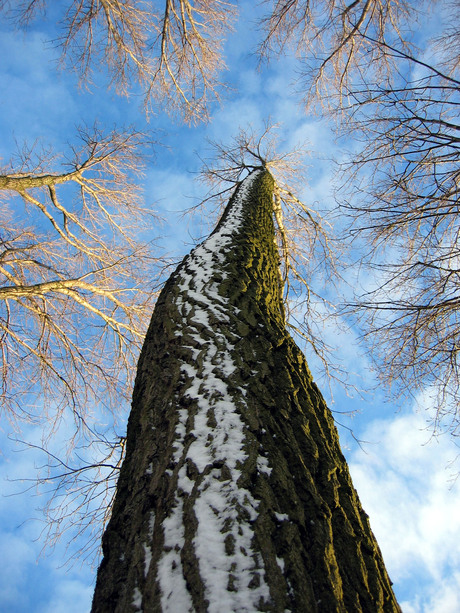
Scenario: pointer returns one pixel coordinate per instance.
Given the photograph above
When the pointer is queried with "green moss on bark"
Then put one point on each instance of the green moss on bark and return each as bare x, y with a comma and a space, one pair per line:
312, 543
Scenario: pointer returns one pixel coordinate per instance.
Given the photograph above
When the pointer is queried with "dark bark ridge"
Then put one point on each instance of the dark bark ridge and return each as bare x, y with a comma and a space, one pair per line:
234, 494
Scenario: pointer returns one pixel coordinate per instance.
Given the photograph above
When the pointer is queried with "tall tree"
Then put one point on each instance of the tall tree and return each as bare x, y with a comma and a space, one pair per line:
356, 57
234, 494
358, 60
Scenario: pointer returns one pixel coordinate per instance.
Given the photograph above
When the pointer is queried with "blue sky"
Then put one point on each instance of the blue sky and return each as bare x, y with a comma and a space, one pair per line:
405, 478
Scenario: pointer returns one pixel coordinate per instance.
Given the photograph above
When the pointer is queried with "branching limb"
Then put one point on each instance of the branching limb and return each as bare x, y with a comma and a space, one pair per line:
304, 238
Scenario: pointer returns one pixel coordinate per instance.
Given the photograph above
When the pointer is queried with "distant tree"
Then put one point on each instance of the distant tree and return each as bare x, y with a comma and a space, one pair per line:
401, 193
234, 494
360, 63
337, 42
73, 292
171, 50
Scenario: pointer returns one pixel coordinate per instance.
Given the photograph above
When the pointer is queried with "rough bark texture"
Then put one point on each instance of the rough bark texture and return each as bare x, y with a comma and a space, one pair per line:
234, 495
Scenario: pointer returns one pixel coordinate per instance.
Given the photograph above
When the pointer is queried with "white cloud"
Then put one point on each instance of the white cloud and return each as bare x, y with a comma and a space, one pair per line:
404, 483
441, 597
446, 596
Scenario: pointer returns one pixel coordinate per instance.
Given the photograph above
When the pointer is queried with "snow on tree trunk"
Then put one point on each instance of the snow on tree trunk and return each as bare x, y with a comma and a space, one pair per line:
234, 494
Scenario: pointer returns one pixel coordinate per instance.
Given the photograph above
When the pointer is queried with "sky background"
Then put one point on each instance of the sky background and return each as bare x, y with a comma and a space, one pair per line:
405, 478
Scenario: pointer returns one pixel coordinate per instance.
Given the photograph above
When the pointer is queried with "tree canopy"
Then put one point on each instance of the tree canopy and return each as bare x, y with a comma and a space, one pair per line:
79, 270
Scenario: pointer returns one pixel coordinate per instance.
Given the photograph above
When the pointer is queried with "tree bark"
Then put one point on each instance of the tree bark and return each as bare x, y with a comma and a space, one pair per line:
234, 494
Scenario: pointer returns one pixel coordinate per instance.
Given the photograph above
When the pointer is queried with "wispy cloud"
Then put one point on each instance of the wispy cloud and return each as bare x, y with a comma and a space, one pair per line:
405, 482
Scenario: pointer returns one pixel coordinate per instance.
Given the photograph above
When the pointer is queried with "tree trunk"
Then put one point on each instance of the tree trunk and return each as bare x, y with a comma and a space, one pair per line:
234, 494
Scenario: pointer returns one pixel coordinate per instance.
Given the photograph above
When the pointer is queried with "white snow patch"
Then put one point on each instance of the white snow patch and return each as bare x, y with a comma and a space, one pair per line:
262, 465
223, 509
175, 596
147, 558
137, 599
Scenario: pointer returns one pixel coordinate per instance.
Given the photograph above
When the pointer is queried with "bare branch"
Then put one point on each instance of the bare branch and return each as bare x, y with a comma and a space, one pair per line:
174, 55
333, 41
75, 296
82, 491
308, 253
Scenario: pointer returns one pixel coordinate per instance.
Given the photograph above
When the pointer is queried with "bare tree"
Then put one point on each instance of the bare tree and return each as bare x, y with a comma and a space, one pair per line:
305, 239
75, 293
171, 50
400, 185
336, 41
405, 201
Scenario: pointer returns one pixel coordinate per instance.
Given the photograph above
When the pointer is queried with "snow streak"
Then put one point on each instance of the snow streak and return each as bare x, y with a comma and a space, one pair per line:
232, 573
